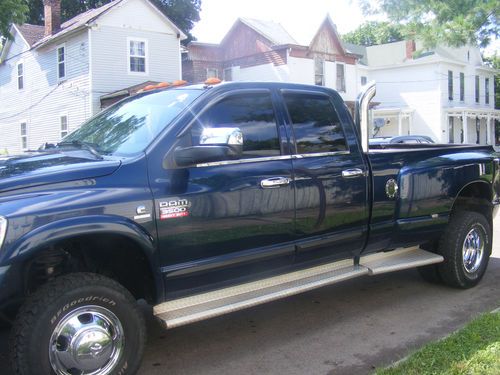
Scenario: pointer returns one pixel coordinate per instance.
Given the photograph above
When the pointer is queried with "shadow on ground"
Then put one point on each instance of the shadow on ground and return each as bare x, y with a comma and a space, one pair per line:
347, 328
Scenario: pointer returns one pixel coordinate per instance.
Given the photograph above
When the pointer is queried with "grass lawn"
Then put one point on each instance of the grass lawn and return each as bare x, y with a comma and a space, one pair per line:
475, 349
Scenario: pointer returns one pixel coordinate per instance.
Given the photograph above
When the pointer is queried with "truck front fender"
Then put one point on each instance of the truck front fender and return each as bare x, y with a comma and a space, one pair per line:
51, 233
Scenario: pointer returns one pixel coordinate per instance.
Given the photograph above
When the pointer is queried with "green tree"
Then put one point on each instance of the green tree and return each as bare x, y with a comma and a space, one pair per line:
11, 11
184, 13
494, 62
373, 32
453, 22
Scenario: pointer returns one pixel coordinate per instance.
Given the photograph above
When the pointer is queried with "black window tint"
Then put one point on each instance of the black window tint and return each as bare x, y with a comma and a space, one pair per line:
315, 124
253, 114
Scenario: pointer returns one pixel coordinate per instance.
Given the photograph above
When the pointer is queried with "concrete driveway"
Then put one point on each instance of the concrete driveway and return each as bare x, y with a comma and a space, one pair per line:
348, 328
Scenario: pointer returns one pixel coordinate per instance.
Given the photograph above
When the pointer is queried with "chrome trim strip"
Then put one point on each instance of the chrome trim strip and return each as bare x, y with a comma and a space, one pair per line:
271, 158
319, 154
241, 161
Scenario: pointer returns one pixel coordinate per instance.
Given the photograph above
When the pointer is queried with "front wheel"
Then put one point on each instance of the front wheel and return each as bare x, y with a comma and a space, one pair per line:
81, 323
466, 248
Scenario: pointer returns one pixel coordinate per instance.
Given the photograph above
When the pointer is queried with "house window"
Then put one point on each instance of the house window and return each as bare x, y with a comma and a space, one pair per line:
137, 52
20, 76
477, 89
228, 74
212, 73
478, 130
319, 71
363, 80
451, 130
341, 77
64, 125
487, 90
462, 87
24, 136
450, 85
61, 62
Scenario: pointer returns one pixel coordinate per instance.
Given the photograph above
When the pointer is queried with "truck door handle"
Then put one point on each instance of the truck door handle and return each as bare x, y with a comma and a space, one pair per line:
349, 173
274, 182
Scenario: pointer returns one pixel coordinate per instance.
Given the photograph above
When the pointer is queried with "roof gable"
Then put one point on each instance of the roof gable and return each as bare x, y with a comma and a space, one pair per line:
327, 39
139, 15
82, 20
18, 40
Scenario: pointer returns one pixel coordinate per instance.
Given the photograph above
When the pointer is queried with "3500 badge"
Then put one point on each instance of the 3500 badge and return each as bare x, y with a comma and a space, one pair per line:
174, 209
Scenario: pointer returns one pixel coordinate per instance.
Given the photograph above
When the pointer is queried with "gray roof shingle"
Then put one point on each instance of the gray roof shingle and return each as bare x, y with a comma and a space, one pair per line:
34, 35
79, 21
31, 33
271, 30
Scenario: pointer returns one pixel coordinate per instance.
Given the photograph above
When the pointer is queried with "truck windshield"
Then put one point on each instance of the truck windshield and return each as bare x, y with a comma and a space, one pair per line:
129, 126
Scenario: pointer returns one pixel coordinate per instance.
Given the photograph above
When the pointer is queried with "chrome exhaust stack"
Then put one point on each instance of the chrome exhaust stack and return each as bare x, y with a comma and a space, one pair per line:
362, 115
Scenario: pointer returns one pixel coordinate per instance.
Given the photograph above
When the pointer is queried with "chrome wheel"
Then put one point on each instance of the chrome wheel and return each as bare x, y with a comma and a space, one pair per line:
473, 250
87, 341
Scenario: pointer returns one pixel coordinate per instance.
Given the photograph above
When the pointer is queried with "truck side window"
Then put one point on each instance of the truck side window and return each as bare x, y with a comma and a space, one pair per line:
253, 114
315, 124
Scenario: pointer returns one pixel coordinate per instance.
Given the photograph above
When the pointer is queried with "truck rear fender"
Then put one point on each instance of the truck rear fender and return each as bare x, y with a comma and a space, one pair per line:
475, 196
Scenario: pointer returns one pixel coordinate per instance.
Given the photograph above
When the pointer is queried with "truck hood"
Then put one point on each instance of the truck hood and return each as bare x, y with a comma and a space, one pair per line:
48, 167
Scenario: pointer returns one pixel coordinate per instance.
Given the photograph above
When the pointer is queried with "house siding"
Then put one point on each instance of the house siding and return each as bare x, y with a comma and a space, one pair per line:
414, 87
110, 60
96, 64
44, 97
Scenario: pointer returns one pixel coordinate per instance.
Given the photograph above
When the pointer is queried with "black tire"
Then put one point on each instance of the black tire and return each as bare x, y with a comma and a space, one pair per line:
430, 274
453, 271
74, 295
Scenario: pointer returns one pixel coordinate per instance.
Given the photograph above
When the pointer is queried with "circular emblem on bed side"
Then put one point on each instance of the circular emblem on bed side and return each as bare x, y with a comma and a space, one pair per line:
391, 188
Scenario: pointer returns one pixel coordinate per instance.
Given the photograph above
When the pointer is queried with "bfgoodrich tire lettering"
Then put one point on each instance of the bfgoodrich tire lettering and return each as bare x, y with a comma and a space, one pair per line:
76, 300
455, 271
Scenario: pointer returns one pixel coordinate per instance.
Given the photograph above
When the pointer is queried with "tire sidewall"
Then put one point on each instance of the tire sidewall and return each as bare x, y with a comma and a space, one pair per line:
48, 320
483, 227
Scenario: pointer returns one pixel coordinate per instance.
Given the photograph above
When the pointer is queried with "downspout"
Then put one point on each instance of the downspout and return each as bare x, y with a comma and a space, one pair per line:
91, 78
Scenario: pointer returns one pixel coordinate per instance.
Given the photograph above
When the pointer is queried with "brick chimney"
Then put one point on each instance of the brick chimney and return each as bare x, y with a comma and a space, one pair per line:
410, 48
52, 10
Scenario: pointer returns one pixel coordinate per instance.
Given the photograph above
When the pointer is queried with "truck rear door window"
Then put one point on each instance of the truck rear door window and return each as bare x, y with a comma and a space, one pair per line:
253, 114
315, 124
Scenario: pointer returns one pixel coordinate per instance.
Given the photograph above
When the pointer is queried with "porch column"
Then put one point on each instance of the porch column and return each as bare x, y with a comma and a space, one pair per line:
488, 130
465, 128
400, 124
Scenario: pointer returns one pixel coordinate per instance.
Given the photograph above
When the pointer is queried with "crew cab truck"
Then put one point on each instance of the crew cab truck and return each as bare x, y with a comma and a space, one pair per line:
207, 199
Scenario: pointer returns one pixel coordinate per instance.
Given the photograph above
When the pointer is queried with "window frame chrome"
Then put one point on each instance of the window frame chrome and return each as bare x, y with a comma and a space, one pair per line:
273, 158
3, 229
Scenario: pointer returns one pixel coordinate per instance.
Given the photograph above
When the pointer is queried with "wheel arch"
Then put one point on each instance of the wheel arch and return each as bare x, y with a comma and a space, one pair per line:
475, 196
110, 245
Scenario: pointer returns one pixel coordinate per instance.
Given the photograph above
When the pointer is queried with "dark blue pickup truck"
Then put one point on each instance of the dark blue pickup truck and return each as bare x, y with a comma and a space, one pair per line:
208, 199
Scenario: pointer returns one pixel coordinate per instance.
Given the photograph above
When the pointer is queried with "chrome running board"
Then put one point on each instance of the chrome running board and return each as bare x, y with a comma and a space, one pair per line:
191, 309
399, 259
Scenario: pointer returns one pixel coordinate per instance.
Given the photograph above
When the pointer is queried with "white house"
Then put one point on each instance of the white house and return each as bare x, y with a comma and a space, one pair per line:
52, 76
265, 51
445, 93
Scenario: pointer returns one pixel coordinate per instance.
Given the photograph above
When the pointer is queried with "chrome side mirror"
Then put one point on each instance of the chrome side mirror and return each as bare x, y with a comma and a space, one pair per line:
216, 144
221, 136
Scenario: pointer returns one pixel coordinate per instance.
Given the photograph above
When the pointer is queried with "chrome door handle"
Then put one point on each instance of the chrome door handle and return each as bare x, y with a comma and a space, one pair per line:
349, 173
274, 182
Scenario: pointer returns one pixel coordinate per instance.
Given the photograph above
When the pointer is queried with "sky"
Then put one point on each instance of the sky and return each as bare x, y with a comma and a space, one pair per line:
300, 18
